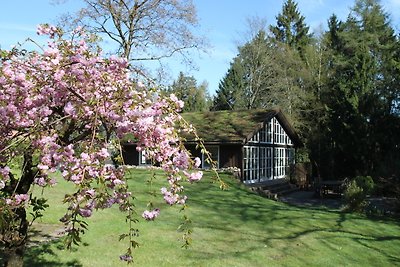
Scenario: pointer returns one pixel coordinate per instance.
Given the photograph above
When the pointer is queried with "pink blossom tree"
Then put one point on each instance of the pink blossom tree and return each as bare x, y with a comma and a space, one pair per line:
61, 109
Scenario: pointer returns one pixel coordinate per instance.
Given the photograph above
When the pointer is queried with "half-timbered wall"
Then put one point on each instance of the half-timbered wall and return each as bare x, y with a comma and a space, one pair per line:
268, 155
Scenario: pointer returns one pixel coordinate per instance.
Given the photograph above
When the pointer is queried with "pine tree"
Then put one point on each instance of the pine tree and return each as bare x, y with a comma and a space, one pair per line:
291, 28
230, 88
362, 88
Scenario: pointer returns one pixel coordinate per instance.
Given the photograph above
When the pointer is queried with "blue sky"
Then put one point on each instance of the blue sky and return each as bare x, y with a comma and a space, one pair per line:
222, 21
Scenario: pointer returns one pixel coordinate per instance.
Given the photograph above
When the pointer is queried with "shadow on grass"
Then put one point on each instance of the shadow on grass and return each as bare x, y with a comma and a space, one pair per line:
45, 256
267, 221
39, 256
41, 251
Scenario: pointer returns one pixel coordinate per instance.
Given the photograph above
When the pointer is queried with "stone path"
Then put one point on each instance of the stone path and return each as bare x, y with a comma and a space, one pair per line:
308, 199
385, 206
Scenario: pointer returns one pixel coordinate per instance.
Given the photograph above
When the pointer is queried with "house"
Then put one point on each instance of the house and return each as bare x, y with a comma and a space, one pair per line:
261, 143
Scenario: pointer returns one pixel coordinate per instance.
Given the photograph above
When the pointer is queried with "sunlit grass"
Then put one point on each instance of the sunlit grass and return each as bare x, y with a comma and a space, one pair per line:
231, 228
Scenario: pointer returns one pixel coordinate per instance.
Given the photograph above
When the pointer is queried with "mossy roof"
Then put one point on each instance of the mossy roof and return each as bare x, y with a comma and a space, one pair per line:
233, 126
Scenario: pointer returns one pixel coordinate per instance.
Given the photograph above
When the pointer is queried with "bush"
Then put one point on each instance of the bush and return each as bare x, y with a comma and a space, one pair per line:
354, 197
357, 191
366, 183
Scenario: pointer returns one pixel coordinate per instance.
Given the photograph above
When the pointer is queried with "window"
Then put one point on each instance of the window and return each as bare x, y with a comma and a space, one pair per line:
290, 156
280, 162
143, 160
214, 151
266, 171
266, 163
255, 138
269, 132
279, 134
263, 161
251, 164
262, 135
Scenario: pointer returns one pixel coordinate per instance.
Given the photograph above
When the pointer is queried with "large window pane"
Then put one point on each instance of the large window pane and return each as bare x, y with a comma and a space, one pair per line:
251, 164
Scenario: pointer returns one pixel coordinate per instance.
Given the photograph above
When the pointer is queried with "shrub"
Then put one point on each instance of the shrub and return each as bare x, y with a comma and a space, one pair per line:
357, 191
354, 197
366, 183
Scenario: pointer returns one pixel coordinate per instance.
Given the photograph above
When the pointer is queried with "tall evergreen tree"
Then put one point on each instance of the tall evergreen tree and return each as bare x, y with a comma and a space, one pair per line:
297, 56
230, 88
362, 88
290, 28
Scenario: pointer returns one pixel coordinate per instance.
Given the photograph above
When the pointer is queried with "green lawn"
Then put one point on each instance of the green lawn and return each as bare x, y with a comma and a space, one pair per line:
231, 228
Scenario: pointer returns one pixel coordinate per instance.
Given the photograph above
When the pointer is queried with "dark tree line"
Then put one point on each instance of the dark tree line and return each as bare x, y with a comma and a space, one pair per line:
340, 88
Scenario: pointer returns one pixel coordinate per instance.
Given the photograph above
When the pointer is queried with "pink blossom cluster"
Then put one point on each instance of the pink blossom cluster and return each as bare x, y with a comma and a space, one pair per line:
171, 197
17, 200
45, 181
194, 176
65, 104
178, 103
150, 215
4, 176
46, 29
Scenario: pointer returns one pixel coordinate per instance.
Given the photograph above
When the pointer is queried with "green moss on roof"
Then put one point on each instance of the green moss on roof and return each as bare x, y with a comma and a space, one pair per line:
227, 126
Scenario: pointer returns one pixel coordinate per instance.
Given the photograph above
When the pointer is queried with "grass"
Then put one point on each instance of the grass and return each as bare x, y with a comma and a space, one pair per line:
231, 228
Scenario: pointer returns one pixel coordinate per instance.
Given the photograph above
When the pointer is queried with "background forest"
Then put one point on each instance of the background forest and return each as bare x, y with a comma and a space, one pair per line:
339, 87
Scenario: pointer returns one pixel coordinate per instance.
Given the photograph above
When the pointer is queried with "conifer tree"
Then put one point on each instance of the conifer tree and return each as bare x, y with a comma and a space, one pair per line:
290, 28
362, 89
230, 88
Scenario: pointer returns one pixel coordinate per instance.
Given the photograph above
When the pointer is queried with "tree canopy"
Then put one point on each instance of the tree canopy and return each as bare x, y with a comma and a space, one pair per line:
194, 96
361, 93
291, 28
339, 88
247, 82
146, 32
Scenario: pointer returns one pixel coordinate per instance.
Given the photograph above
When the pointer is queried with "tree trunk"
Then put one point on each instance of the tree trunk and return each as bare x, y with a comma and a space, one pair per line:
15, 236
15, 246
14, 257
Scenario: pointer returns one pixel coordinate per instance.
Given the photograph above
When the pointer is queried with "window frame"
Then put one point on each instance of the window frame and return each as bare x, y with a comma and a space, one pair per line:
143, 161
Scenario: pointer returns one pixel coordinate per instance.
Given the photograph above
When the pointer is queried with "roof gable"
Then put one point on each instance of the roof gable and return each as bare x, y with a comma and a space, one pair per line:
234, 126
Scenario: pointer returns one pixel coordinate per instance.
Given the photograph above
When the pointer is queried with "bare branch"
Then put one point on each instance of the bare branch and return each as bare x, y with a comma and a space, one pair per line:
142, 29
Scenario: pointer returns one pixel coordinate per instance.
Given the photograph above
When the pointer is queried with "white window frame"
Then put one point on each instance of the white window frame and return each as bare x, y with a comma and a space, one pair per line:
269, 132
251, 164
279, 134
279, 162
266, 163
143, 161
272, 132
